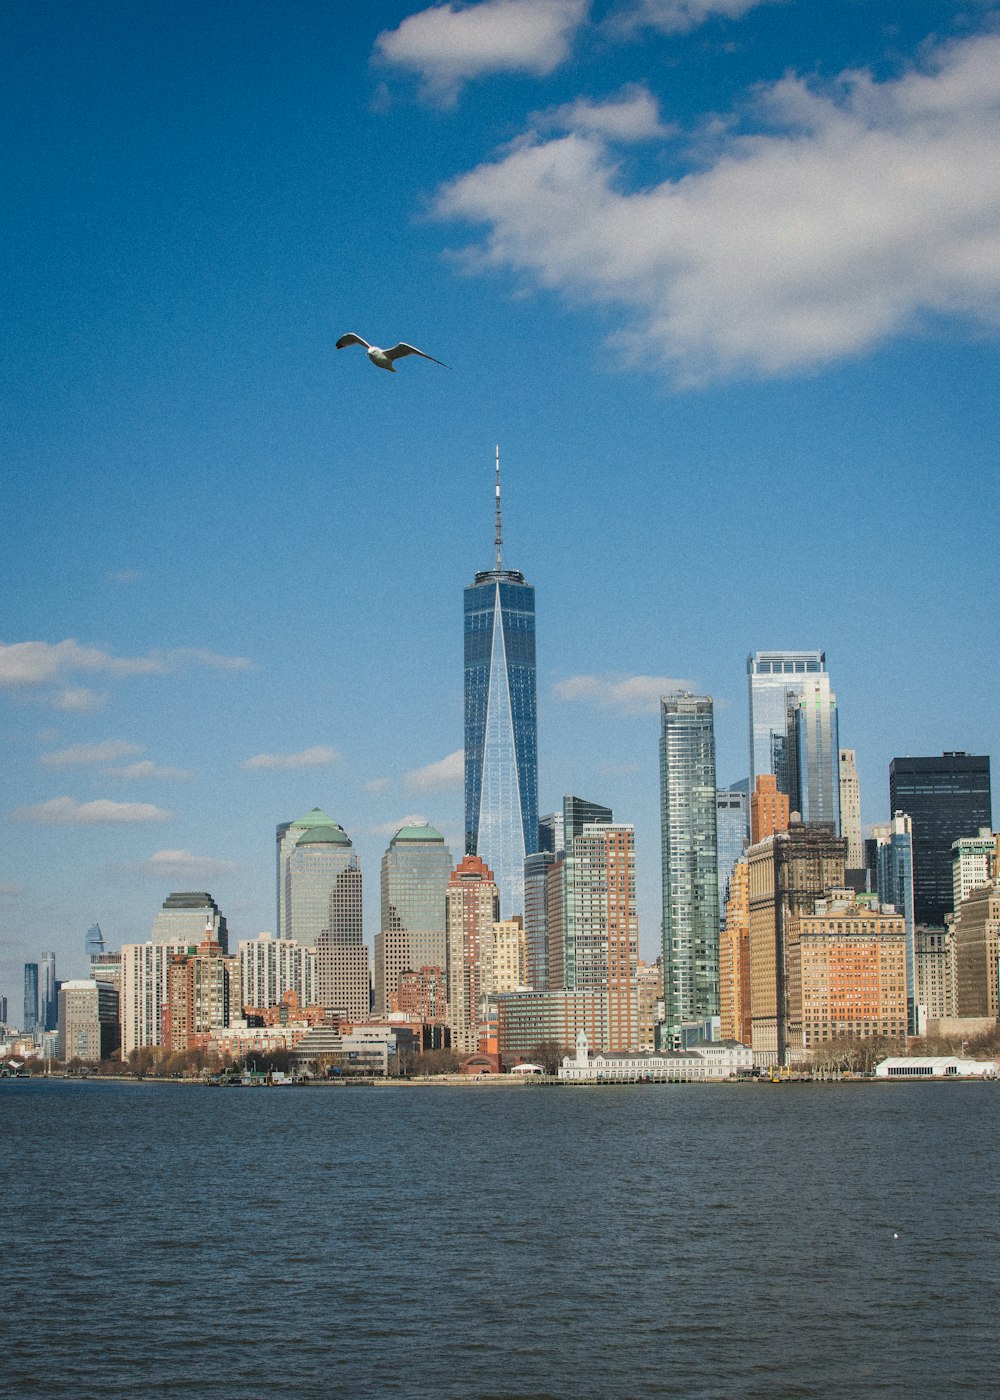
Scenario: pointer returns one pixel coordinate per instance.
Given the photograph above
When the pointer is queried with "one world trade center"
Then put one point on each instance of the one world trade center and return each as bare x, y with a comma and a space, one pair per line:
501, 724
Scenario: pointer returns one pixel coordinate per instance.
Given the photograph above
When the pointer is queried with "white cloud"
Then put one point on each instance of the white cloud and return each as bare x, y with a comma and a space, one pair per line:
45, 663
9, 891
630, 695
631, 116
123, 575
445, 774
66, 811
376, 785
77, 699
317, 757
184, 865
448, 44
146, 768
857, 210
389, 829
679, 16
104, 752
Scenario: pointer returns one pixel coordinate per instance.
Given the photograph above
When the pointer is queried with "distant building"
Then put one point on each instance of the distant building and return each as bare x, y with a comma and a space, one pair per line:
412, 932
787, 873
271, 967
893, 842
734, 959
977, 954
88, 1021
543, 929
184, 917
973, 863
732, 826
30, 1022
526, 1020
144, 992
423, 994
689, 853
816, 794
202, 986
946, 798
850, 809
769, 809
601, 924
48, 1004
708, 1062
775, 681
649, 983
935, 967
472, 908
935, 1067
323, 906
93, 943
509, 959
501, 724
846, 973
286, 837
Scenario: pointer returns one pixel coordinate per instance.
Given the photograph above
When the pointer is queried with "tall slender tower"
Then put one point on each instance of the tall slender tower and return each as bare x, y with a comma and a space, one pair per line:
501, 725
690, 859
775, 680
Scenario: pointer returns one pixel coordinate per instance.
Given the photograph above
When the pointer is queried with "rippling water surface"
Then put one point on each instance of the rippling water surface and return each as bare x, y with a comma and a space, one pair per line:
697, 1241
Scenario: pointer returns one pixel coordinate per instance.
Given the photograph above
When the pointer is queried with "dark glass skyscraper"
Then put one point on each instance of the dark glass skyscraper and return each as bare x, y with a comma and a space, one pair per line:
501, 725
945, 798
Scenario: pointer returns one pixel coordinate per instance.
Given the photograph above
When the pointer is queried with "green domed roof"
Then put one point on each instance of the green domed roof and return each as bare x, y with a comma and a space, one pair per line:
317, 817
330, 834
418, 831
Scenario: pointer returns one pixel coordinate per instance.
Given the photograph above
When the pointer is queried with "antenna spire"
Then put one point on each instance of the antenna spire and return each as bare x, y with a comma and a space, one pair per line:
499, 538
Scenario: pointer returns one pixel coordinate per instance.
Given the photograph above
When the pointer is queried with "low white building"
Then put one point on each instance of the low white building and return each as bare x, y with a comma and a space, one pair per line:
711, 1061
934, 1067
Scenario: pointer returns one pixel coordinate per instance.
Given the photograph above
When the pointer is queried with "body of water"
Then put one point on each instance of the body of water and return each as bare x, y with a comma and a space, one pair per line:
697, 1241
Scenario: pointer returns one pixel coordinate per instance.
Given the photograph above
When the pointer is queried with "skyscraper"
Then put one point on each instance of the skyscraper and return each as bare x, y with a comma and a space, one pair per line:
816, 792
184, 917
48, 993
850, 809
472, 910
501, 726
894, 882
945, 798
286, 835
732, 825
769, 808
601, 924
413, 932
973, 863
30, 1023
774, 679
690, 859
323, 904
93, 944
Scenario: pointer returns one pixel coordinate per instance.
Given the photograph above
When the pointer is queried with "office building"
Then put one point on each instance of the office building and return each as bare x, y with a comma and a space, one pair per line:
649, 983
286, 836
543, 927
509, 960
893, 842
769, 809
787, 873
689, 859
734, 959
184, 918
87, 1017
976, 960
850, 809
412, 934
93, 943
600, 921
48, 992
472, 908
30, 1022
423, 994
3, 1011
935, 959
945, 798
732, 827
323, 906
846, 974
775, 680
501, 726
272, 967
973, 863
816, 790
551, 833
527, 1021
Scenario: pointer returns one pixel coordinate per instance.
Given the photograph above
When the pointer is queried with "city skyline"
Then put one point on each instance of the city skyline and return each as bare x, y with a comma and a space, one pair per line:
234, 557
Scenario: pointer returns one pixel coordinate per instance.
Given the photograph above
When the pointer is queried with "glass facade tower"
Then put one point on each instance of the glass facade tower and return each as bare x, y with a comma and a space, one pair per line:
690, 859
894, 883
775, 679
816, 793
413, 934
501, 725
945, 798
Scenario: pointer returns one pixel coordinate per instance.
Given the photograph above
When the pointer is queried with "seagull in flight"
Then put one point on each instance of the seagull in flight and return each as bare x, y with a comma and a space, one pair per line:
384, 358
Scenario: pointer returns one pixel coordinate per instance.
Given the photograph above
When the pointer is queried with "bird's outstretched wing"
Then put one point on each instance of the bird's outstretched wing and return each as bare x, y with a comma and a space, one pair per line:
351, 339
398, 351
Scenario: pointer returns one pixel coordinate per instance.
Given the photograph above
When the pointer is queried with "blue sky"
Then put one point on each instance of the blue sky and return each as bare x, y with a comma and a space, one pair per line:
721, 277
